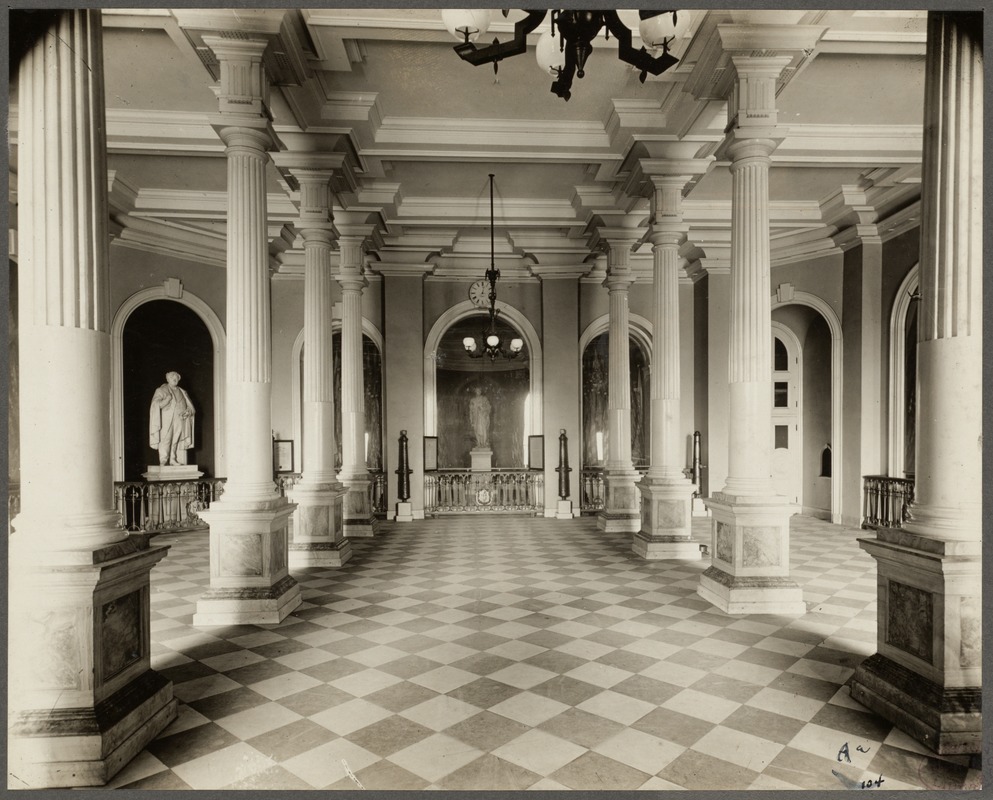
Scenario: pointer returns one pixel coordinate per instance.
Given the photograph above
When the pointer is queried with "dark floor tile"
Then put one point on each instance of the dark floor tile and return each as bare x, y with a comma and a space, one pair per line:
545, 638
281, 648
291, 740
386, 737
300, 628
409, 666
673, 726
415, 643
482, 663
383, 775
225, 703
259, 671
486, 731
481, 640
697, 659
570, 691
210, 649
774, 727
333, 670
585, 729
400, 696
419, 624
624, 659
693, 770
805, 770
190, 744
647, 689
831, 656
186, 672
677, 638
484, 692
793, 683
728, 688
767, 658
555, 661
357, 628
595, 772
611, 638
852, 722
490, 773
314, 700
928, 772
167, 779
272, 778
737, 637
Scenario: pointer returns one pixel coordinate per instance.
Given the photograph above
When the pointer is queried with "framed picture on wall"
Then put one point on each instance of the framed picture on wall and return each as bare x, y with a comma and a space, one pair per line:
282, 455
536, 452
430, 453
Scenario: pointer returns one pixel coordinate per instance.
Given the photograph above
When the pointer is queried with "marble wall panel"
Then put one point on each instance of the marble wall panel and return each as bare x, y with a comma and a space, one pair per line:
760, 546
725, 542
121, 641
910, 620
671, 513
241, 555
277, 559
56, 660
971, 647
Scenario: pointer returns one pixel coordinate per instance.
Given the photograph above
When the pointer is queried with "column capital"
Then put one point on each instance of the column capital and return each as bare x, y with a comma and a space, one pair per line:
244, 131
783, 40
244, 84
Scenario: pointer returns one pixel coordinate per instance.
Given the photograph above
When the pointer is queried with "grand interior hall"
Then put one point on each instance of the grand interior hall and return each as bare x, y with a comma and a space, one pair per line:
407, 398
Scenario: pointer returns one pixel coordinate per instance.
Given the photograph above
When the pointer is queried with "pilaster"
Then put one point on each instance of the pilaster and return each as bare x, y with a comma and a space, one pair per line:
621, 508
359, 520
83, 697
749, 570
666, 494
926, 676
249, 578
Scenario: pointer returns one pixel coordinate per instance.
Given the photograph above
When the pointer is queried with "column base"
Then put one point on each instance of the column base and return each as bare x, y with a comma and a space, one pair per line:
319, 554
564, 509
75, 747
948, 720
662, 548
404, 512
255, 605
736, 594
318, 527
621, 511
249, 577
359, 522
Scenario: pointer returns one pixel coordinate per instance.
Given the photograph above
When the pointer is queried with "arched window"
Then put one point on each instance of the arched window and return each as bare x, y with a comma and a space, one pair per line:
826, 461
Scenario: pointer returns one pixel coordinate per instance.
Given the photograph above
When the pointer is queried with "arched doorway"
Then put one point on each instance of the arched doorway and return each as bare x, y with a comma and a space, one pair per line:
161, 336
787, 413
903, 378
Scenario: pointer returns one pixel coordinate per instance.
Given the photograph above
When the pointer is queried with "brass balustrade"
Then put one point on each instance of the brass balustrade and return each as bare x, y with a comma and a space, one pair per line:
885, 501
462, 491
592, 488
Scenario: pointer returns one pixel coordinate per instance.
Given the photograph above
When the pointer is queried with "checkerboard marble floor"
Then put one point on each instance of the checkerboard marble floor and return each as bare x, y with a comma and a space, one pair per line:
514, 653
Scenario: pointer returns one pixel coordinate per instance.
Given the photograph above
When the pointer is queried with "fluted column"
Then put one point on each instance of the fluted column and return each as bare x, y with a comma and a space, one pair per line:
83, 698
750, 572
926, 676
359, 518
620, 511
318, 538
249, 576
666, 494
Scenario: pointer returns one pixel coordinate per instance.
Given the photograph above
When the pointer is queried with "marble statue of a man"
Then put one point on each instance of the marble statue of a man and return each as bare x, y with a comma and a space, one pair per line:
170, 422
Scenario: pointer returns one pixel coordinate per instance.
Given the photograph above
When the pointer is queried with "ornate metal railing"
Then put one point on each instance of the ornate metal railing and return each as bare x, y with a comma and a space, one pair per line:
286, 480
592, 490
378, 492
461, 491
885, 501
165, 506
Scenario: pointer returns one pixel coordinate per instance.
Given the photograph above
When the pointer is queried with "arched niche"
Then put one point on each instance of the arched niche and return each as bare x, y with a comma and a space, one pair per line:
593, 370
512, 317
372, 340
171, 290
903, 375
837, 379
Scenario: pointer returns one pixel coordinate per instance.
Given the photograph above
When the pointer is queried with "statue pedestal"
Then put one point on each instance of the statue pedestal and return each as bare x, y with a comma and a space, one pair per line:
405, 512
564, 510
167, 505
481, 459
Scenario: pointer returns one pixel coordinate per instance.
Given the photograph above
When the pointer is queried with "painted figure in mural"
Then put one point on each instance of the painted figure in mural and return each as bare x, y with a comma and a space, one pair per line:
479, 418
170, 422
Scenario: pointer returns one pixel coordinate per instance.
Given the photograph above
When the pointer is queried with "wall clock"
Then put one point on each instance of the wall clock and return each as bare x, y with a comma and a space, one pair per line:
479, 294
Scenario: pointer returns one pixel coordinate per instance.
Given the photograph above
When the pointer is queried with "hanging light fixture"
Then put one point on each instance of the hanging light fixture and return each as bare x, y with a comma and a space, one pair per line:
489, 343
572, 35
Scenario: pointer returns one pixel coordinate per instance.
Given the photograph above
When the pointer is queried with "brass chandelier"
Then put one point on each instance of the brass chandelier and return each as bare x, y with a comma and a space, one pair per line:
564, 51
489, 343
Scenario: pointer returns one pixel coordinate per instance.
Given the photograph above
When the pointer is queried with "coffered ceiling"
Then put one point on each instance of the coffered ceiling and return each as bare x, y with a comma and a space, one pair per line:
420, 130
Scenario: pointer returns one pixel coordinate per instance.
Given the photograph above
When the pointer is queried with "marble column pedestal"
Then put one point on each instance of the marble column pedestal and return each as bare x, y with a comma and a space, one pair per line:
750, 568
665, 520
360, 522
91, 701
249, 576
621, 511
318, 526
926, 675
